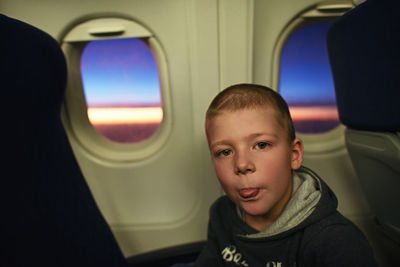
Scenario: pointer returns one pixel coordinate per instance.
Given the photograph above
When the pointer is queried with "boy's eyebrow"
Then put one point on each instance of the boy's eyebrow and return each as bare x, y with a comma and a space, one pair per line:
222, 142
261, 134
251, 136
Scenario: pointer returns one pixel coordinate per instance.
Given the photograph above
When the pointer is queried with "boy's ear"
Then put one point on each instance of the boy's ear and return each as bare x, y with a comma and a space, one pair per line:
297, 153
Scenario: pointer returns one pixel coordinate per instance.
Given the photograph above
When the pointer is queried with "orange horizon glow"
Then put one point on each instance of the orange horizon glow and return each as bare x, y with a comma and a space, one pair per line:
125, 115
144, 115
314, 113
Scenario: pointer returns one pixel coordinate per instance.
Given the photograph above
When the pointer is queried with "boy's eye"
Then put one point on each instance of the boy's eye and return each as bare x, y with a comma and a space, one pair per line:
225, 152
262, 145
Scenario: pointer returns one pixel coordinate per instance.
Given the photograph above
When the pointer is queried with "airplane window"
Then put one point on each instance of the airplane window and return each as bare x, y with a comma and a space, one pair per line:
306, 81
122, 89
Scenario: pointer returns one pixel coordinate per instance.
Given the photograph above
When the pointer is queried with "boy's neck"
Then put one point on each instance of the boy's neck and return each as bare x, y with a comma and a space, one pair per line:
257, 222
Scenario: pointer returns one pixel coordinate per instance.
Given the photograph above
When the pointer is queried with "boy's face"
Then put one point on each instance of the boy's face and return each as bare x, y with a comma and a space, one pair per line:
254, 161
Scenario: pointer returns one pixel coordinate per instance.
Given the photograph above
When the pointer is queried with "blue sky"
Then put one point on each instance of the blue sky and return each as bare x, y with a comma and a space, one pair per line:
305, 75
120, 72
123, 72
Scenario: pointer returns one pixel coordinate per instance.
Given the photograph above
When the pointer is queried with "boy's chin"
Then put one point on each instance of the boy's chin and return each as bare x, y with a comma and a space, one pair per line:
254, 209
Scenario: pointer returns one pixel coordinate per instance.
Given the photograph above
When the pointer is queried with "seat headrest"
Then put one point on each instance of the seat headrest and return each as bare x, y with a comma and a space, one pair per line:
43, 64
363, 47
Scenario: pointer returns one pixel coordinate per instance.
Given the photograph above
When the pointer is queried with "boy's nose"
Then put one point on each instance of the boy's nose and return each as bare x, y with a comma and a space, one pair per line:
244, 164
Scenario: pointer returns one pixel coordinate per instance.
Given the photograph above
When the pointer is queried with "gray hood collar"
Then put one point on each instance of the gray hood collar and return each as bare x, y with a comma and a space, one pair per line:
305, 196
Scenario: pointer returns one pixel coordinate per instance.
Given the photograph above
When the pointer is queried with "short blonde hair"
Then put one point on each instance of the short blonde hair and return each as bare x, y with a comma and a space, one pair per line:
248, 96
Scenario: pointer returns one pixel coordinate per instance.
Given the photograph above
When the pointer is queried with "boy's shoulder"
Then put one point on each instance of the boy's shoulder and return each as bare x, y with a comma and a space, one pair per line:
223, 200
222, 205
223, 213
225, 220
333, 235
332, 225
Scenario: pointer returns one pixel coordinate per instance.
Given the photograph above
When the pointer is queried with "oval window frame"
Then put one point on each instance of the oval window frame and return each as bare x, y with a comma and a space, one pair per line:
75, 107
326, 11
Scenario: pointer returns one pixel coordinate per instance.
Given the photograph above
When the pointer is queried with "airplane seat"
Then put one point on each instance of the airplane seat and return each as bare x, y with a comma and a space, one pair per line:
49, 217
363, 48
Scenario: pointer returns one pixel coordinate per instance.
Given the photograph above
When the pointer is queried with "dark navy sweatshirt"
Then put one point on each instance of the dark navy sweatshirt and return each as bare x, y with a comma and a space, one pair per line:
309, 232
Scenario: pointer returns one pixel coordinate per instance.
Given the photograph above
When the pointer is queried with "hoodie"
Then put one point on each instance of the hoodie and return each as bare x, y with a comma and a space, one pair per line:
309, 232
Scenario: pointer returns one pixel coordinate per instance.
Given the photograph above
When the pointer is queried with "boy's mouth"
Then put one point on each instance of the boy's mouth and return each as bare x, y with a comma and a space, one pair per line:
248, 193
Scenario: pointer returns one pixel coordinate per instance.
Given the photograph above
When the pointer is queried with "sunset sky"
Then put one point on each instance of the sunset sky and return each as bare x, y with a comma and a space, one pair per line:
112, 115
122, 74
305, 74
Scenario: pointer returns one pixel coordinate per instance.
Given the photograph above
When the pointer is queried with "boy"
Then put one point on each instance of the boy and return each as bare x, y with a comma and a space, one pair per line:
275, 213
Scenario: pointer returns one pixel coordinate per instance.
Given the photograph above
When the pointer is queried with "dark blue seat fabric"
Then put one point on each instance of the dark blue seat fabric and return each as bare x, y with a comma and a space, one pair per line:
364, 53
48, 214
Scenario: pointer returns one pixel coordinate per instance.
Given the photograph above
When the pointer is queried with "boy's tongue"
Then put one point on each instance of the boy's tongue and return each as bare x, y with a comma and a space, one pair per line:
249, 192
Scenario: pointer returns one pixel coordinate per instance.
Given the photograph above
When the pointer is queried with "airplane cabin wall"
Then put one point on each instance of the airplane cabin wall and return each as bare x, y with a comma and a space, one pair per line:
163, 200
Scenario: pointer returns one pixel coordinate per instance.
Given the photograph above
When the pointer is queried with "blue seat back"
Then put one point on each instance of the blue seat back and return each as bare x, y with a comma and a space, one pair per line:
364, 52
49, 216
